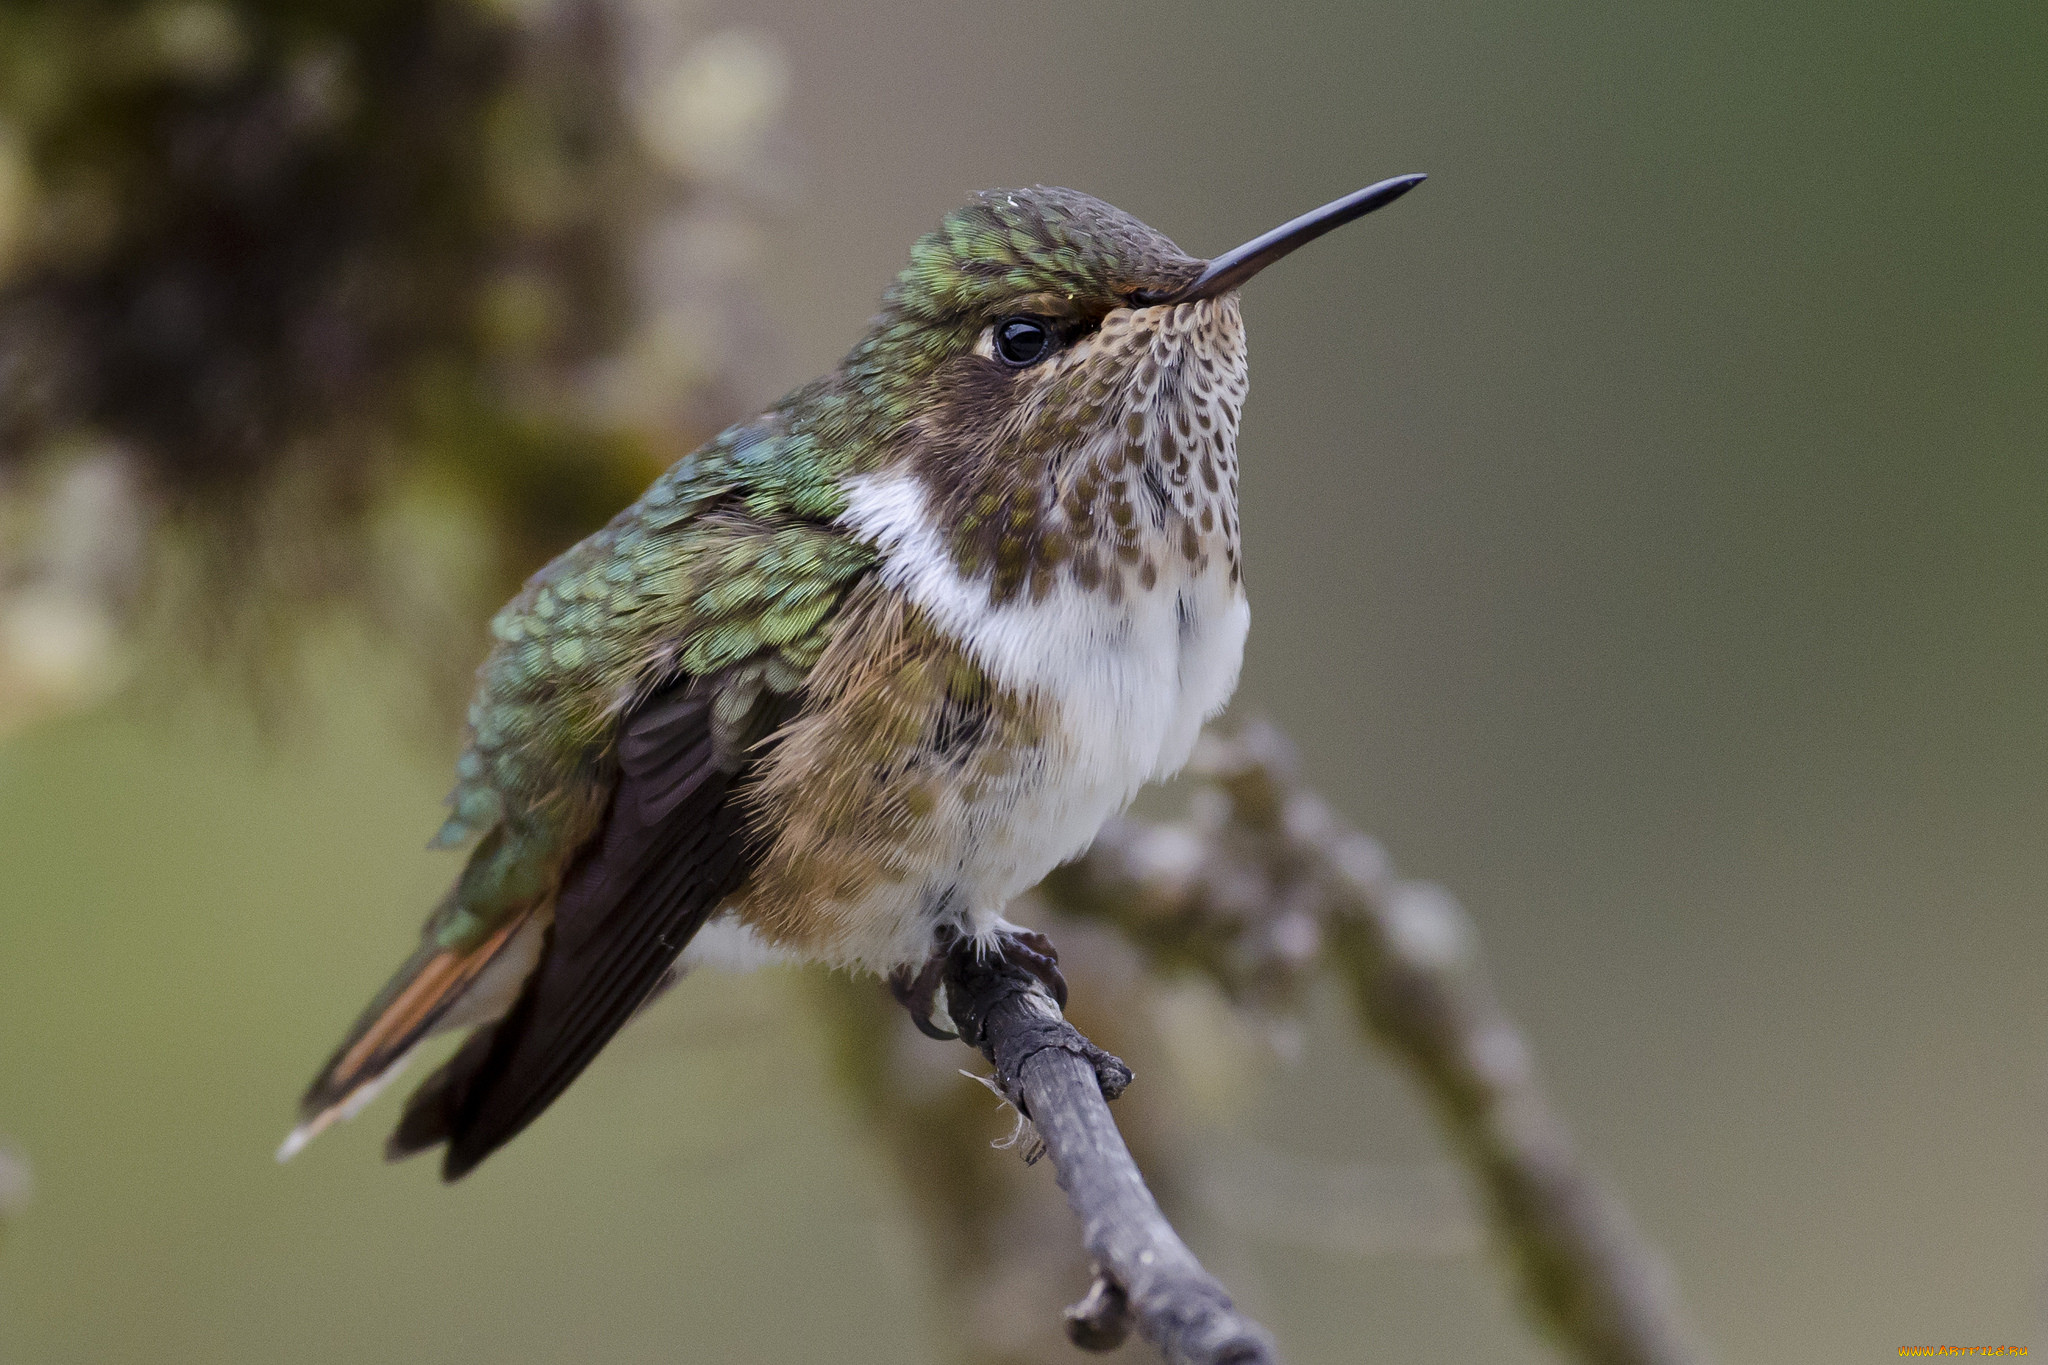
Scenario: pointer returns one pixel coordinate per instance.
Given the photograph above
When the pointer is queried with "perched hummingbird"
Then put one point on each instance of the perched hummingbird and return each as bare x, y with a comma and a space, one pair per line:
853, 674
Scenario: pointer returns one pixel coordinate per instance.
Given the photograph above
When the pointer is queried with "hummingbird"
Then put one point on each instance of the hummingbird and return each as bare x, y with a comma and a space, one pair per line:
852, 675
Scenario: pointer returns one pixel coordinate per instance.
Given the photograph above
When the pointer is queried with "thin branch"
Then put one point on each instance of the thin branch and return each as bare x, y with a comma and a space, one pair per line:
1062, 1083
1265, 889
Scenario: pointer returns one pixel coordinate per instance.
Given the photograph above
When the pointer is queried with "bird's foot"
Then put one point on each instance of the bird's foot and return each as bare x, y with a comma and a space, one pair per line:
1032, 952
1029, 951
978, 975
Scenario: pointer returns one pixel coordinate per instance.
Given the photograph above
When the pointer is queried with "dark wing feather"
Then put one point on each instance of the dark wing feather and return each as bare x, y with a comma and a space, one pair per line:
672, 848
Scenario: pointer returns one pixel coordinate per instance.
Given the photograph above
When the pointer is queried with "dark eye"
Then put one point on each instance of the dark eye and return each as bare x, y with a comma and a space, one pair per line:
1023, 340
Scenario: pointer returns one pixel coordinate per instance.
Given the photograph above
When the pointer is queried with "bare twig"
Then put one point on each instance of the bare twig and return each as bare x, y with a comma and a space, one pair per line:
1263, 890
1006, 1259
1062, 1083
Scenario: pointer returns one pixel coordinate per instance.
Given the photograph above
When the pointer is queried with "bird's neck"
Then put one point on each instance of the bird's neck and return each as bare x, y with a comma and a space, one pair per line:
1112, 472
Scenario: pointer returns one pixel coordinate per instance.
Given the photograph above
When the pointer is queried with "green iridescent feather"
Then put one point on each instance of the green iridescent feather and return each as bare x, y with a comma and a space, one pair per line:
728, 566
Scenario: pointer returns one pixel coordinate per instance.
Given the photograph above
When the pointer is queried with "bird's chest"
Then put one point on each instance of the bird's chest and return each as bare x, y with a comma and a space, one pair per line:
1126, 685
1118, 667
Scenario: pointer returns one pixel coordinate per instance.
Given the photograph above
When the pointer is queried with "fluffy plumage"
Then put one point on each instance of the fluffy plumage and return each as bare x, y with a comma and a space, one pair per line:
873, 662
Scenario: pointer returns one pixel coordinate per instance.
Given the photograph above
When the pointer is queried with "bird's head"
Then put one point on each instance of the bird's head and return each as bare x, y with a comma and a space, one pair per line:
1050, 371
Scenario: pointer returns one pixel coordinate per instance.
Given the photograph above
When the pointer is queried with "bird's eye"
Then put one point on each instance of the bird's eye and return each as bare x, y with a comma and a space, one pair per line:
1023, 340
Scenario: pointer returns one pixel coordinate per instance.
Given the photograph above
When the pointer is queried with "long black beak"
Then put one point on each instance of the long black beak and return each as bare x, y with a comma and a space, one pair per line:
1233, 268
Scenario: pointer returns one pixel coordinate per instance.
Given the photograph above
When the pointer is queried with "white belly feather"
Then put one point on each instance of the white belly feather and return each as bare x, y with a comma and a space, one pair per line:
1128, 685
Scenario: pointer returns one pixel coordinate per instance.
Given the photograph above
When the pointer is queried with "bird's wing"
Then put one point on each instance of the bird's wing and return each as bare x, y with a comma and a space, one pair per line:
605, 836
672, 848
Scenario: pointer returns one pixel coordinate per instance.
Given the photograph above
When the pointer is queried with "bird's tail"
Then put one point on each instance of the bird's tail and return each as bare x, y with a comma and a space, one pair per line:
437, 989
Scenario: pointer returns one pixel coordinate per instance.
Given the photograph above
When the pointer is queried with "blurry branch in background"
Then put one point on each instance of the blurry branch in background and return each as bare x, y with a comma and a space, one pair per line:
1263, 889
15, 1185
363, 306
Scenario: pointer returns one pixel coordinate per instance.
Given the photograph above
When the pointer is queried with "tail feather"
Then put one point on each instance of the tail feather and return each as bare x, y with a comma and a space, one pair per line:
432, 1111
356, 1101
437, 989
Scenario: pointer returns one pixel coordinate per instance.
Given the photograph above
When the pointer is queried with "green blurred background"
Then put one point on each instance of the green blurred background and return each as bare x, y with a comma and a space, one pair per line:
1645, 524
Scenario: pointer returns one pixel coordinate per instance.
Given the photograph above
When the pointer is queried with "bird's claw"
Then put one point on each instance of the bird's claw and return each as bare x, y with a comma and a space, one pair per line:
918, 993
1025, 949
1031, 951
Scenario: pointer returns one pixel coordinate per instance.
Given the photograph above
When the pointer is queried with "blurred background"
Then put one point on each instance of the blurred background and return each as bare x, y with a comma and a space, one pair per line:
1647, 526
